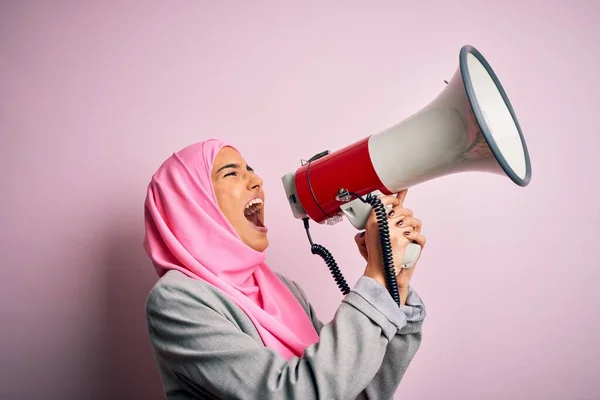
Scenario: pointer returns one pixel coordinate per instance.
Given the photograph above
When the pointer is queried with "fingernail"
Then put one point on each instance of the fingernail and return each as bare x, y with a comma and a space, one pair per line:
400, 222
407, 233
391, 213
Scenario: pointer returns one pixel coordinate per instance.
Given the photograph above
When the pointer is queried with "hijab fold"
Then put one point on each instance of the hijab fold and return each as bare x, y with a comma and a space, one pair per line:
186, 231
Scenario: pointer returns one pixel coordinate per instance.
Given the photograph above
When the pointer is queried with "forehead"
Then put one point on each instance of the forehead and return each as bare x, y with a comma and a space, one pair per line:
227, 155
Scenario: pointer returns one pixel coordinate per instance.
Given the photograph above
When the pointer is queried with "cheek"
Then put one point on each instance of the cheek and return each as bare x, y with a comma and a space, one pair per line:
229, 203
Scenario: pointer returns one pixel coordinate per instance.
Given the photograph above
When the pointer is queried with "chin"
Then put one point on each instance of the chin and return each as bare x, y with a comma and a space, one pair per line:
255, 240
260, 244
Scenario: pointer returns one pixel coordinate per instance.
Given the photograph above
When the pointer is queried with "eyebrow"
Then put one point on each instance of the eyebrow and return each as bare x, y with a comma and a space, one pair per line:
235, 166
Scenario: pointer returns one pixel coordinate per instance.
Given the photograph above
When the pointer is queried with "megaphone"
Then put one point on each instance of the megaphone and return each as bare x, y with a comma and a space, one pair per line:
469, 126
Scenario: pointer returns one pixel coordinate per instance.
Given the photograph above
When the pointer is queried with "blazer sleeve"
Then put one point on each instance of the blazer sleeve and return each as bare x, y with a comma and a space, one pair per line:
210, 353
401, 349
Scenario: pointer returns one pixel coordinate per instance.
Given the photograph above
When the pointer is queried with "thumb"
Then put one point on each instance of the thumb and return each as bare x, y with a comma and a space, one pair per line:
401, 196
359, 238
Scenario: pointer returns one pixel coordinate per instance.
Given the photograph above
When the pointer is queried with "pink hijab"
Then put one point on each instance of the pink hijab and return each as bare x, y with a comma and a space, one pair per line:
186, 231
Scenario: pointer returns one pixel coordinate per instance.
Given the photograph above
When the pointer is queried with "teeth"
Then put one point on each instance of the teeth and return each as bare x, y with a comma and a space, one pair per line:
253, 202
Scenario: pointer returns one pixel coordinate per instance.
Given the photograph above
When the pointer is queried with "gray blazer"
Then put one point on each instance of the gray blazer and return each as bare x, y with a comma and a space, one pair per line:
207, 348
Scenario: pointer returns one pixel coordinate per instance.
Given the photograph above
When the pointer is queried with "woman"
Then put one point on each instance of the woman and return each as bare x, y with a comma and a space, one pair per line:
223, 325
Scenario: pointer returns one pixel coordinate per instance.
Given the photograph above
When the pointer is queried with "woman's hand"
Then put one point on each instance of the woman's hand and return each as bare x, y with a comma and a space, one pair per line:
404, 228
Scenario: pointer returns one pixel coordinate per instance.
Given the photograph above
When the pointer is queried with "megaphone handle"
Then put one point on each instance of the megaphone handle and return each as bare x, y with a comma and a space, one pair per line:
411, 255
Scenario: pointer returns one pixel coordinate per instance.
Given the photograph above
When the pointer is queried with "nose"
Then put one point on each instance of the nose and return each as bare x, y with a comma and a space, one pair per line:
254, 182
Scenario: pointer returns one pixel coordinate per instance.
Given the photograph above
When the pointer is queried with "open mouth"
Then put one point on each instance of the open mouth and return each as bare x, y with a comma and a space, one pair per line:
254, 213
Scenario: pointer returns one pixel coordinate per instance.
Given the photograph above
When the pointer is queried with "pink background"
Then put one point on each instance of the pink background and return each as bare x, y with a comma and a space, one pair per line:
93, 97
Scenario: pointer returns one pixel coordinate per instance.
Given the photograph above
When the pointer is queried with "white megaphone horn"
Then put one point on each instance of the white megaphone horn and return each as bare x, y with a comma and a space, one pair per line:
469, 126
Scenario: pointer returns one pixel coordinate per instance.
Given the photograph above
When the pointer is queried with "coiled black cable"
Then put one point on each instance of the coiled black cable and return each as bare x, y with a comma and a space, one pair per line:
386, 249
329, 260
333, 267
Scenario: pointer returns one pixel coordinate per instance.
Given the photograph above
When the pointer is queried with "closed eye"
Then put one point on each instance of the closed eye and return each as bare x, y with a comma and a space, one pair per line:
234, 173
234, 166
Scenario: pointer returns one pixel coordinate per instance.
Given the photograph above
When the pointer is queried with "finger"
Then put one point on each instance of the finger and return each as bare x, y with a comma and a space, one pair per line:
405, 230
410, 221
390, 200
400, 236
398, 226
399, 212
402, 195
417, 238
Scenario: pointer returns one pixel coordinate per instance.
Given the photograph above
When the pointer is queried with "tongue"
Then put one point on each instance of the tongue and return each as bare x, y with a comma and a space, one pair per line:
253, 218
